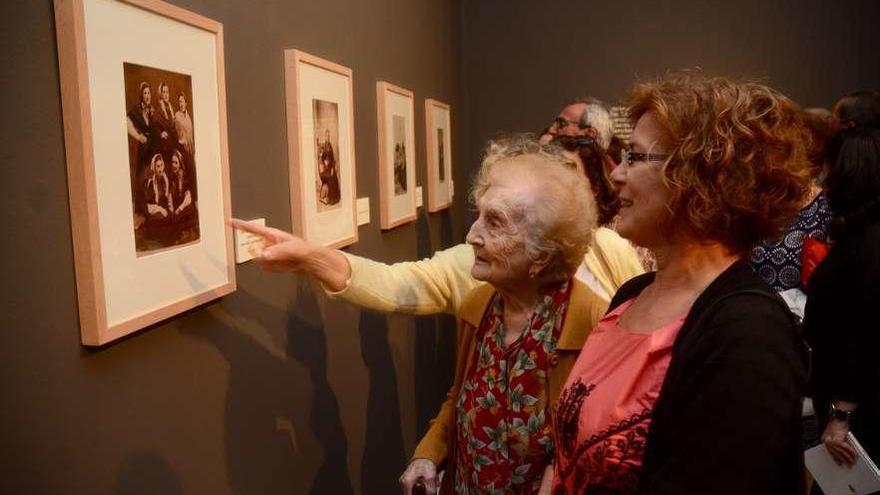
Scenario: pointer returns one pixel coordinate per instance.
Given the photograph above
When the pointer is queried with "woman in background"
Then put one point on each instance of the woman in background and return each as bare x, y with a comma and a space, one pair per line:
840, 319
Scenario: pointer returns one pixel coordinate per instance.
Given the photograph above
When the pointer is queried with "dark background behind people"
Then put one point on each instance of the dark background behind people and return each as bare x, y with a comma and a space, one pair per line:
204, 398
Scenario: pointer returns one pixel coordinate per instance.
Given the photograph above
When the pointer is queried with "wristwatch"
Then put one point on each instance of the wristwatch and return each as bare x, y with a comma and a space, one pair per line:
839, 414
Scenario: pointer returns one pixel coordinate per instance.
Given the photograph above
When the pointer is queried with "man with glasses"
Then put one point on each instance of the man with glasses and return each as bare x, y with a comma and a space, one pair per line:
582, 117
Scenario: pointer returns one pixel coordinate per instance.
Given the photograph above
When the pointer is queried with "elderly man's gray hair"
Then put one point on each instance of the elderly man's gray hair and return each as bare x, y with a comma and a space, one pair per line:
598, 117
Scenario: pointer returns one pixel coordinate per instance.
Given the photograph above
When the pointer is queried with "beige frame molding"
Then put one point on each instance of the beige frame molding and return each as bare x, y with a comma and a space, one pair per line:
435, 202
293, 58
82, 186
386, 222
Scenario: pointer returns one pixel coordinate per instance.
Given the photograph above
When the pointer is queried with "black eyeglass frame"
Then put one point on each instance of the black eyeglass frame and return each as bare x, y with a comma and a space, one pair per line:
629, 157
562, 122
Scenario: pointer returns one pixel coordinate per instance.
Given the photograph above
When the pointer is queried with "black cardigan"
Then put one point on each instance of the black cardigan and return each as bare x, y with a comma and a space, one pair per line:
727, 420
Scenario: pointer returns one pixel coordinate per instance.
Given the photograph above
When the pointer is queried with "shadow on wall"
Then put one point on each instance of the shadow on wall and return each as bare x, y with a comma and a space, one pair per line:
145, 473
384, 459
435, 337
283, 428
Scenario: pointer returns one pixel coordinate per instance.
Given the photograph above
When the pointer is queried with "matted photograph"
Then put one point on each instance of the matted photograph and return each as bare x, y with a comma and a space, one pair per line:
438, 136
147, 161
320, 149
161, 158
326, 126
397, 168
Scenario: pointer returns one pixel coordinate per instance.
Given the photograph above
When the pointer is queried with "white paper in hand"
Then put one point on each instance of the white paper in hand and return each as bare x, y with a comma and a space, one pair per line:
861, 479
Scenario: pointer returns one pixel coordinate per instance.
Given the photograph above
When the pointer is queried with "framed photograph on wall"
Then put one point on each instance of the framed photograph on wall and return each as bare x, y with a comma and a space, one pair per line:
438, 126
147, 161
397, 155
320, 149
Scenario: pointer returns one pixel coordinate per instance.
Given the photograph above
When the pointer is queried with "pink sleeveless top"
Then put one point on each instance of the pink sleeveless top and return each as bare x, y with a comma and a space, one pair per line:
605, 408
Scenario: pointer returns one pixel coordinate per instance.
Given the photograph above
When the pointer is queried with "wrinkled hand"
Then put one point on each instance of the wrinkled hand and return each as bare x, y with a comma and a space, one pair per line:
834, 438
419, 469
281, 251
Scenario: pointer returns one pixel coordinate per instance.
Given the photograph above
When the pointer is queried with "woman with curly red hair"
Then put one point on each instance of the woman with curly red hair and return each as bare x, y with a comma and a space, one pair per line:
692, 382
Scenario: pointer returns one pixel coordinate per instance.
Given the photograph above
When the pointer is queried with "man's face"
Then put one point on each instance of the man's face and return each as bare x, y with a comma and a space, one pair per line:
566, 123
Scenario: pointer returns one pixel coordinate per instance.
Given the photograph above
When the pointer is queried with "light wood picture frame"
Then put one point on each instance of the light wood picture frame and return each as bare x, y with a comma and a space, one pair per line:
438, 140
149, 241
321, 149
397, 155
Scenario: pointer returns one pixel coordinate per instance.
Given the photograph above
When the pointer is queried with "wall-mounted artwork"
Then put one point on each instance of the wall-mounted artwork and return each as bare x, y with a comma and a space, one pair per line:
397, 156
147, 161
438, 128
320, 150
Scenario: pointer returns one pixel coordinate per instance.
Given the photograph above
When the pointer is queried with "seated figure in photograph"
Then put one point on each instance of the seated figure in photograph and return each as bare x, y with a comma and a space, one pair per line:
158, 206
182, 201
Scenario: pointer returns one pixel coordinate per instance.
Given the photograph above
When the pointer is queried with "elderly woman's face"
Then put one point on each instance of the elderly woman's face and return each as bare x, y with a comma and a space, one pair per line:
145, 95
165, 93
643, 196
498, 234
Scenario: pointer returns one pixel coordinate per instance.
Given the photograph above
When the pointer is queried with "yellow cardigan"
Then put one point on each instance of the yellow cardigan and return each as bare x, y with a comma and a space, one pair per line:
438, 284
585, 308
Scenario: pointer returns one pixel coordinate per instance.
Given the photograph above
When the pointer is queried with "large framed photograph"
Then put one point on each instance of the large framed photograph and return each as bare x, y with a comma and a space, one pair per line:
147, 161
397, 155
438, 128
320, 149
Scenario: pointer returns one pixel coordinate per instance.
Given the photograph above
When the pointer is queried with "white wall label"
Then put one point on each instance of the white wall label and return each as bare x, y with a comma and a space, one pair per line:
363, 211
248, 245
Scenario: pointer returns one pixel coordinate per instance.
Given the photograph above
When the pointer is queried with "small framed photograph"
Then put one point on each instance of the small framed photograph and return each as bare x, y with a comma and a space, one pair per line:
397, 155
147, 161
438, 127
320, 149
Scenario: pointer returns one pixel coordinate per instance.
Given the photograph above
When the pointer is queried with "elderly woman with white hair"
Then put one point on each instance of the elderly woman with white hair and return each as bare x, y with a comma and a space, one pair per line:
519, 331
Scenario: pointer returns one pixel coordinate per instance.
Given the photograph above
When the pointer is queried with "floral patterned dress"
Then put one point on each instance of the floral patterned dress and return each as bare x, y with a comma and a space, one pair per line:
605, 408
503, 436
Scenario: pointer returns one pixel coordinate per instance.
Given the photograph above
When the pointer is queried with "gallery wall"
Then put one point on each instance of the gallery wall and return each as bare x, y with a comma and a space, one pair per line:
522, 60
273, 389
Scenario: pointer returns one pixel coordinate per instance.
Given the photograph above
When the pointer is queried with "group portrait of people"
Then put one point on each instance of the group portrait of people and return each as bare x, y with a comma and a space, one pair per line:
161, 160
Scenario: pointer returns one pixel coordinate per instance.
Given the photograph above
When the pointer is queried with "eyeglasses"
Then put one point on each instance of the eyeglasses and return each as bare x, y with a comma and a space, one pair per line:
562, 122
629, 157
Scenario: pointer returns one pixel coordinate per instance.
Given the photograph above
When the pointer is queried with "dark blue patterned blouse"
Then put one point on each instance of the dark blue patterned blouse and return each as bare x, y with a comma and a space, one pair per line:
779, 262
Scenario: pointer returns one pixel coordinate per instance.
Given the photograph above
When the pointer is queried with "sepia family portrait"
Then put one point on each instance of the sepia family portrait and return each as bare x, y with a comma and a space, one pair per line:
161, 157
326, 125
398, 125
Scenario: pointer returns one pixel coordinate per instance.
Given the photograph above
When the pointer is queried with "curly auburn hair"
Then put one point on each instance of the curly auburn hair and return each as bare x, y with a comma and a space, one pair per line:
738, 169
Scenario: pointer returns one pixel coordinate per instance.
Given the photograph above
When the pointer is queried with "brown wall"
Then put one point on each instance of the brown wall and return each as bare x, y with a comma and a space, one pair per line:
273, 389
522, 60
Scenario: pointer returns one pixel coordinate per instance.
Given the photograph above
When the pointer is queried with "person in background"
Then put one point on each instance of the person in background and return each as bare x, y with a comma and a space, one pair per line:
846, 287
692, 383
779, 261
